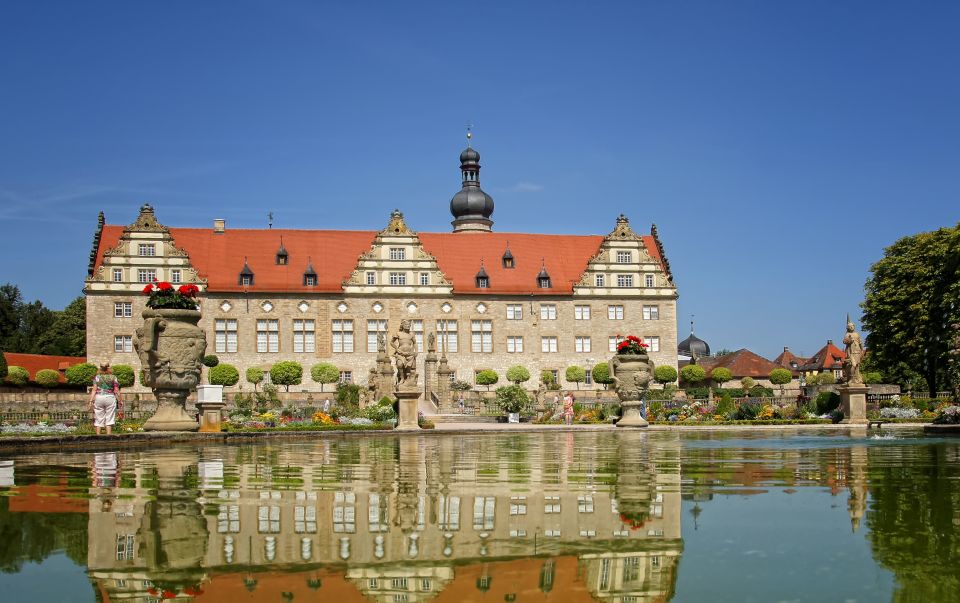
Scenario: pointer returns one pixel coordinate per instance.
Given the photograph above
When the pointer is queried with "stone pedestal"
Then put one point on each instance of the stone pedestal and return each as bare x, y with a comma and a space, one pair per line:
429, 375
407, 421
853, 403
170, 415
209, 405
631, 416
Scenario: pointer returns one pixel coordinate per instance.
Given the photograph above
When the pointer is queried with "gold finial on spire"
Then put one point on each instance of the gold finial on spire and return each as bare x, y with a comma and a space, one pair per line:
469, 133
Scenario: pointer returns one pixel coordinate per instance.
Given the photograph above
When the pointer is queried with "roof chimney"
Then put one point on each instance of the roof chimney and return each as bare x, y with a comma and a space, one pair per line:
219, 225
786, 349
829, 342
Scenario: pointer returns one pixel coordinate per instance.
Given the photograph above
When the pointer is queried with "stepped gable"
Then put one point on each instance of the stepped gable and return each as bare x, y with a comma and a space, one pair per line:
742, 363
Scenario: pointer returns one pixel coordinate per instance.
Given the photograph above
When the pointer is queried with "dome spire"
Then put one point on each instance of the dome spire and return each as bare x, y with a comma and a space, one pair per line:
471, 207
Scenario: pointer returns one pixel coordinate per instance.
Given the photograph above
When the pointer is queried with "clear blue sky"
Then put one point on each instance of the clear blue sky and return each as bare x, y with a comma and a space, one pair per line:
778, 146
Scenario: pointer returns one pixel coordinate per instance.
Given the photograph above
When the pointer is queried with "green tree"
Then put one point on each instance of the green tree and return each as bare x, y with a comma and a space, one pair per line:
286, 373
548, 380
576, 374
17, 375
211, 360
124, 374
601, 374
513, 398
34, 320
721, 375
872, 377
487, 377
324, 373
3, 367
692, 374
664, 374
47, 378
912, 296
254, 376
826, 378
81, 374
67, 336
10, 302
780, 376
223, 374
747, 383
518, 374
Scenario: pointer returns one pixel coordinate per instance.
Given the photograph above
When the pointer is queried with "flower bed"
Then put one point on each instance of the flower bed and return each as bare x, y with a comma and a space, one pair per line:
38, 428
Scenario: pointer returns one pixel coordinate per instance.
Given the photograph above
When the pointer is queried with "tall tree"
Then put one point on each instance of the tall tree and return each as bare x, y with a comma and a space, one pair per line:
10, 302
35, 320
67, 336
911, 299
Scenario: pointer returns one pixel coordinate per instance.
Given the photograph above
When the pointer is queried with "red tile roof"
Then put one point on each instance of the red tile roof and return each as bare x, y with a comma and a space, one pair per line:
828, 358
742, 363
219, 257
790, 361
37, 362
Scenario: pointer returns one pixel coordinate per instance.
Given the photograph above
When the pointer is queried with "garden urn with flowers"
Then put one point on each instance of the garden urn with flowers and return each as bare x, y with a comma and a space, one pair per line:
631, 372
171, 347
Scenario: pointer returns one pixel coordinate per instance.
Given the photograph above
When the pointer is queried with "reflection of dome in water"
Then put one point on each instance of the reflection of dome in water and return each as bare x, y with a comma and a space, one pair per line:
693, 346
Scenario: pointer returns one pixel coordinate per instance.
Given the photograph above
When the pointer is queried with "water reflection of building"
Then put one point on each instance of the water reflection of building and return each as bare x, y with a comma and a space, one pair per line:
412, 519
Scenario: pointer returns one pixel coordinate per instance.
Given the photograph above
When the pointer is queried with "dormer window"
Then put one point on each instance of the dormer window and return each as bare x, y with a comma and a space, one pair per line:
283, 258
508, 261
543, 279
309, 276
246, 275
483, 281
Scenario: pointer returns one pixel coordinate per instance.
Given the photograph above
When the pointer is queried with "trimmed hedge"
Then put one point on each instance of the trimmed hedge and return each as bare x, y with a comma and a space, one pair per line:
47, 378
223, 374
81, 374
124, 374
17, 375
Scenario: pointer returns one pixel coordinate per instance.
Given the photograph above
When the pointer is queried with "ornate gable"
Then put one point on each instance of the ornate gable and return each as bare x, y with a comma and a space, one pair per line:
624, 267
397, 263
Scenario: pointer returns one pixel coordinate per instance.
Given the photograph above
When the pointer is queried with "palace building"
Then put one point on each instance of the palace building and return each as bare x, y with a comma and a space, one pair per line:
479, 298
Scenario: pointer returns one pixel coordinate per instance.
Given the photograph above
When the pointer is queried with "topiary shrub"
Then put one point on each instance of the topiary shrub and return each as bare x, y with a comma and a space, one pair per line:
692, 374
826, 378
546, 377
720, 375
827, 402
487, 377
576, 374
286, 373
210, 360
17, 375
518, 374
664, 374
725, 406
780, 376
124, 374
81, 374
254, 376
747, 382
601, 373
224, 374
513, 398
47, 378
324, 373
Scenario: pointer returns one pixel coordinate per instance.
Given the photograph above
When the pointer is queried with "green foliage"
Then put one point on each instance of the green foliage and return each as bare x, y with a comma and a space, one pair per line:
912, 295
47, 378
211, 360
601, 373
513, 398
780, 376
748, 383
518, 374
224, 374
826, 402
873, 377
725, 406
124, 374
458, 385
81, 374
747, 411
348, 394
386, 401
692, 374
67, 335
826, 378
487, 377
721, 375
379, 413
3, 366
17, 375
286, 373
254, 376
324, 373
576, 374
546, 377
664, 374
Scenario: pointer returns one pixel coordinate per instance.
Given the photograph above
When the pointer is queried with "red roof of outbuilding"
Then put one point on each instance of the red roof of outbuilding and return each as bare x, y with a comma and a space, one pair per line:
742, 363
829, 357
219, 258
38, 362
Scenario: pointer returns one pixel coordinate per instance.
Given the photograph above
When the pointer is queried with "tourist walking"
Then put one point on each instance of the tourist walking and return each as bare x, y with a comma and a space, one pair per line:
105, 399
568, 408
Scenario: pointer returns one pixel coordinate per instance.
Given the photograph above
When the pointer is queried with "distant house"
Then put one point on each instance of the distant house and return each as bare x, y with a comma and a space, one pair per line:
828, 358
742, 363
38, 362
790, 361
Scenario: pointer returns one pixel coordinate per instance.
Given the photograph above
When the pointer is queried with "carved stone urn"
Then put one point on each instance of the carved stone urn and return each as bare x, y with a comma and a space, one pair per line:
171, 348
631, 375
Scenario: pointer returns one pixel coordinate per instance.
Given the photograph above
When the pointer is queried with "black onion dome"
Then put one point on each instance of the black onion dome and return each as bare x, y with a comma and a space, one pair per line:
469, 155
471, 203
693, 346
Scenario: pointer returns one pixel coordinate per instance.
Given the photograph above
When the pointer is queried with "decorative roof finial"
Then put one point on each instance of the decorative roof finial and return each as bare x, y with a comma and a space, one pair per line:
270, 219
691, 324
469, 133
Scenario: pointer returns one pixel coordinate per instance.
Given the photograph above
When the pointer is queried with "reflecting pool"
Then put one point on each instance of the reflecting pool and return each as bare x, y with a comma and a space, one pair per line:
621, 517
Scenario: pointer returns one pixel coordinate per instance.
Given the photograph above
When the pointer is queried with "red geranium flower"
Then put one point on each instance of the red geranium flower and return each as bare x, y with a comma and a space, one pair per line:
164, 286
148, 289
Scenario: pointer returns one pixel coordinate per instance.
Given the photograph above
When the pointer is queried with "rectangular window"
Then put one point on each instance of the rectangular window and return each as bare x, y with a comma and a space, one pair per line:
481, 332
624, 280
310, 280
398, 253
588, 376
548, 311
378, 513
398, 278
268, 336
614, 342
449, 519
424, 279
624, 257
581, 343
175, 276
374, 328
581, 312
342, 336
551, 504
118, 275
146, 275
648, 279
125, 547
345, 512
304, 339
548, 344
122, 309
518, 505
146, 249
601, 280
225, 335
346, 377
483, 282
653, 343
484, 508
371, 278
514, 311
585, 504
416, 327
651, 312
305, 515
228, 517
615, 312
447, 335
514, 344
123, 343
246, 280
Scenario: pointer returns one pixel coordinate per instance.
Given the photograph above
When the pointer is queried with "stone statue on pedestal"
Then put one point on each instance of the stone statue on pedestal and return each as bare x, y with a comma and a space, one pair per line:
404, 346
854, 351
